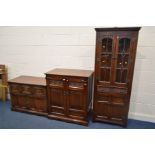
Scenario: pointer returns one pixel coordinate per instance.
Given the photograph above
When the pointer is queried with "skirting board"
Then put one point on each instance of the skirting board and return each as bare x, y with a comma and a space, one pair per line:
142, 117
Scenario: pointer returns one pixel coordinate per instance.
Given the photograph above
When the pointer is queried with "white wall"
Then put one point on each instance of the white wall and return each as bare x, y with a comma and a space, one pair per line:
35, 50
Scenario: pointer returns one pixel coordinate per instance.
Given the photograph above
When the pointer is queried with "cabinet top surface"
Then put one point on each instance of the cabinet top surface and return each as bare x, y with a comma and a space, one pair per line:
31, 80
118, 29
71, 72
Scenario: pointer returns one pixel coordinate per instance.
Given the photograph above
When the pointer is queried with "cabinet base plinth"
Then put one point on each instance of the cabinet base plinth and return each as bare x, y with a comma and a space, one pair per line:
29, 111
67, 119
122, 123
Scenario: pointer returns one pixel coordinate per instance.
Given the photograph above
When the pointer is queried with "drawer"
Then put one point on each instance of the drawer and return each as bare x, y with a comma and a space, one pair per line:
67, 79
56, 78
76, 85
55, 83
39, 92
77, 79
110, 99
77, 82
112, 91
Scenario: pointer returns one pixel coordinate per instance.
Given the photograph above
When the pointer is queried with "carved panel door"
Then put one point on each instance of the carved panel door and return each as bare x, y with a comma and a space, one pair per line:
57, 98
76, 101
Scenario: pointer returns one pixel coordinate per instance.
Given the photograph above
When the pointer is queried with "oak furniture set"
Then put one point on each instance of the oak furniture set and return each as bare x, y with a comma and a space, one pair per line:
66, 94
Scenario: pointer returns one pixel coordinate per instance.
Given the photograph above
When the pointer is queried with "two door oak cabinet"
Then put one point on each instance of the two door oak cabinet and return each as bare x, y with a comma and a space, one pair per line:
69, 95
114, 66
28, 94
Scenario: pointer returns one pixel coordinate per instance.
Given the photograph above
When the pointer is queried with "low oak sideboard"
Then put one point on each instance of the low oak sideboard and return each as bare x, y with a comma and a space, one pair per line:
28, 94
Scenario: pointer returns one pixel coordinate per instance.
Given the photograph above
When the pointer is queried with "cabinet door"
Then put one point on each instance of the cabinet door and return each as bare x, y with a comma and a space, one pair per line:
40, 105
77, 100
104, 59
40, 99
57, 98
124, 60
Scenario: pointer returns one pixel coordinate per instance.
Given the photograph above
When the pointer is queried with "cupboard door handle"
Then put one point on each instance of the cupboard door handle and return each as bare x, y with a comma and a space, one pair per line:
63, 80
85, 84
83, 81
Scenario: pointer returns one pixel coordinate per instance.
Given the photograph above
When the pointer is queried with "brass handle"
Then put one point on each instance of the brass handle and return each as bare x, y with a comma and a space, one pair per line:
85, 84
63, 80
83, 81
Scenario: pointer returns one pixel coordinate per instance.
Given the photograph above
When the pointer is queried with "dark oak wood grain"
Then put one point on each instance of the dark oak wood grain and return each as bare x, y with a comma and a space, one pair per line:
114, 66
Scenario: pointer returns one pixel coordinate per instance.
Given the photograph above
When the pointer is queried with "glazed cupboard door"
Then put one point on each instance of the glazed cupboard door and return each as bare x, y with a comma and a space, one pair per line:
104, 58
123, 61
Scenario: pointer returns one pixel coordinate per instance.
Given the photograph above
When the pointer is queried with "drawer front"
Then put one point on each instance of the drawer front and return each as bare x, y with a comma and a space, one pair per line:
78, 79
71, 82
55, 83
77, 83
55, 77
111, 99
113, 91
66, 78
